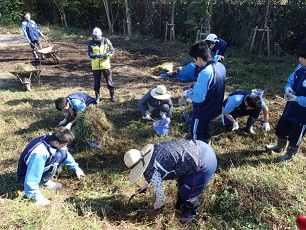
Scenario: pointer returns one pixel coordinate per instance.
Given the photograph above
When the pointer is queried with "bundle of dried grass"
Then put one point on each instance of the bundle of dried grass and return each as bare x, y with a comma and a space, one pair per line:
22, 67
92, 125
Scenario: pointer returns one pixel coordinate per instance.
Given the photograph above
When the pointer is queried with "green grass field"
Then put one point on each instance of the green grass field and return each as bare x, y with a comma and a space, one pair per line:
248, 191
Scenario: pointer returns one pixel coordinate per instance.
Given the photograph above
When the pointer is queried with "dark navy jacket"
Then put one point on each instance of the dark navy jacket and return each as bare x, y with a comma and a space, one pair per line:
58, 157
83, 97
220, 47
211, 106
295, 111
174, 158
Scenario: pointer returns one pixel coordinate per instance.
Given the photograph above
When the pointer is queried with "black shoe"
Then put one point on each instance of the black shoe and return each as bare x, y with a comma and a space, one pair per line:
113, 99
189, 214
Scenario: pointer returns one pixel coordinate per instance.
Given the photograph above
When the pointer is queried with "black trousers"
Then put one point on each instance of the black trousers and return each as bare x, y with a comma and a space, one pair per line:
294, 131
107, 73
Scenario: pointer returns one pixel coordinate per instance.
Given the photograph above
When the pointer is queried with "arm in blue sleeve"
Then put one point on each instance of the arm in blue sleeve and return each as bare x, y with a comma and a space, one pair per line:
34, 174
291, 77
24, 31
89, 51
144, 100
198, 94
232, 103
70, 162
77, 105
263, 104
111, 50
301, 100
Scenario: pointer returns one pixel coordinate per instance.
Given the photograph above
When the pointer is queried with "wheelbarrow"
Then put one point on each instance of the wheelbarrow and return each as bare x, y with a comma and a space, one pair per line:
50, 51
24, 73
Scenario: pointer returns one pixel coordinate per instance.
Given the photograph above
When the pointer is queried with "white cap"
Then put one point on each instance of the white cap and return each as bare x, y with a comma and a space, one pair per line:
212, 38
96, 31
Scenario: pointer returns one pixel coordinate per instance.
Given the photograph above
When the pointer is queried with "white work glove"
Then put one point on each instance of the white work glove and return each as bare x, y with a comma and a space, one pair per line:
62, 122
185, 93
168, 120
235, 126
147, 117
42, 201
289, 97
68, 126
79, 172
163, 115
266, 126
289, 90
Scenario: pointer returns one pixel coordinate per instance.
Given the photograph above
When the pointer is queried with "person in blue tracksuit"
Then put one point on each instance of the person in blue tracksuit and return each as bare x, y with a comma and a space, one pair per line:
207, 93
217, 46
292, 124
244, 103
73, 104
100, 50
32, 34
191, 162
41, 158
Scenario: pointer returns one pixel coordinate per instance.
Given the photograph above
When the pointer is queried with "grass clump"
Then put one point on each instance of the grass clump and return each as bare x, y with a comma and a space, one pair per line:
92, 125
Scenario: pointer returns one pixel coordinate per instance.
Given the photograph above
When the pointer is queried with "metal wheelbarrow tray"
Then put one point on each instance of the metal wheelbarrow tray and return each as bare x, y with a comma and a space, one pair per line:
24, 73
51, 51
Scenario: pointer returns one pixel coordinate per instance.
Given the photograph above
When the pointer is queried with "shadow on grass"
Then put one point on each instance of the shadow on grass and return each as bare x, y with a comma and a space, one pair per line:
9, 186
115, 208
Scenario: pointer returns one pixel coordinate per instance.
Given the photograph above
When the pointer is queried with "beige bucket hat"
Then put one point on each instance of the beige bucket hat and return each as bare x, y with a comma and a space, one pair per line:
160, 93
137, 161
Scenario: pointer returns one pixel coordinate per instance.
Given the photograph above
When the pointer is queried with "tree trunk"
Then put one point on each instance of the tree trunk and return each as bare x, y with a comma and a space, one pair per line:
61, 9
128, 18
109, 21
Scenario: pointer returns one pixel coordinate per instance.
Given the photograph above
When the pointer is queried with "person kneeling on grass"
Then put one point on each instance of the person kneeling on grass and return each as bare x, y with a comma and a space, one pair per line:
191, 162
73, 104
41, 158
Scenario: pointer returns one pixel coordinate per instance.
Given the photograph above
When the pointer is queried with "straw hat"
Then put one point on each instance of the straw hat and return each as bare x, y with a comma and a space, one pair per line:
137, 161
160, 93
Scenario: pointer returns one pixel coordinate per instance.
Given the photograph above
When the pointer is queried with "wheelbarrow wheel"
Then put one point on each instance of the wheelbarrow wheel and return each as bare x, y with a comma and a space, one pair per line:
55, 58
27, 84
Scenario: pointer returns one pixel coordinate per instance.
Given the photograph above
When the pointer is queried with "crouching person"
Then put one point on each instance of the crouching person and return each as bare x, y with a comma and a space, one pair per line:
191, 163
158, 99
41, 158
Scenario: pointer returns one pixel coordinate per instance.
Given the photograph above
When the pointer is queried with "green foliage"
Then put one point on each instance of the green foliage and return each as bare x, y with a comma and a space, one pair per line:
11, 11
248, 191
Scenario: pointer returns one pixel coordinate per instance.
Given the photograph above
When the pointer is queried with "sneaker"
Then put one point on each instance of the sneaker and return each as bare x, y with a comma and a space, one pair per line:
50, 185
113, 99
189, 214
251, 131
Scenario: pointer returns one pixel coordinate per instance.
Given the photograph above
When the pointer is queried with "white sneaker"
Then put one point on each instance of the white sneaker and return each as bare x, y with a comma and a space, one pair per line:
251, 131
50, 185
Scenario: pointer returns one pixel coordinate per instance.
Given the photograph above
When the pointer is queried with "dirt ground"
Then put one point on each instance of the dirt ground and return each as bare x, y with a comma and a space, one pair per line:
132, 59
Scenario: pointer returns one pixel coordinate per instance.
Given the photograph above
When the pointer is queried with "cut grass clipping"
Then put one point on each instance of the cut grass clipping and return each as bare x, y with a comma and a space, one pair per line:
92, 125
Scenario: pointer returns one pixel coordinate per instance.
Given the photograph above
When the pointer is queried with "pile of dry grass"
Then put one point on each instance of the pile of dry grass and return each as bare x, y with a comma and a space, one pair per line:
24, 67
92, 125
